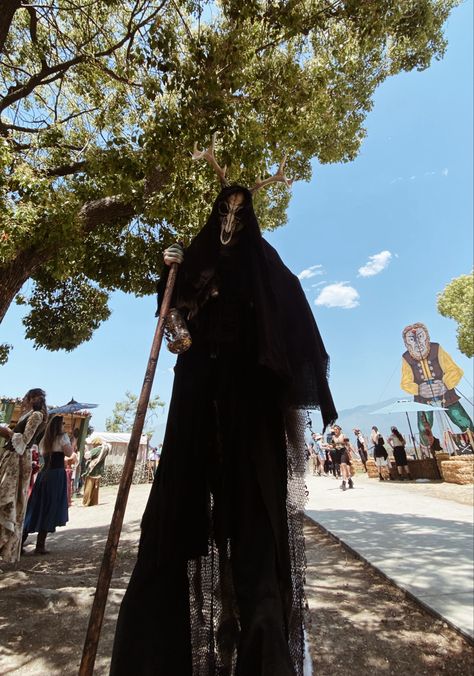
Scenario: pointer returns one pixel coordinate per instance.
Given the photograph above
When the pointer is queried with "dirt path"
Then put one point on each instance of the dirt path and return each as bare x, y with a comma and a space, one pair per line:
360, 622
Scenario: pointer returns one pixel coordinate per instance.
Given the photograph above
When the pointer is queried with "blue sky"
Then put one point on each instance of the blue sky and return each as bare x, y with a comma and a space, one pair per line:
407, 200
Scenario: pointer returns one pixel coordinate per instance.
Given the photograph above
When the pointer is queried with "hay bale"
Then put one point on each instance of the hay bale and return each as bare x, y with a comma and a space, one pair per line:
357, 465
372, 471
441, 456
459, 470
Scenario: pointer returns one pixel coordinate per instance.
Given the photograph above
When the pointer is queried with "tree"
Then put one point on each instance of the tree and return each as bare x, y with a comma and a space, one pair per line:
457, 302
103, 101
123, 414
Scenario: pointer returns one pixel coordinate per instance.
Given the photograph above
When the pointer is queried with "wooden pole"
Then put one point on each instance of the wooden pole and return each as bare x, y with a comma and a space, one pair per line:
108, 561
412, 435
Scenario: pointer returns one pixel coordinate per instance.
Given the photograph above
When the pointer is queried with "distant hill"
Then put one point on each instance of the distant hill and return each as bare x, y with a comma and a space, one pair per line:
360, 416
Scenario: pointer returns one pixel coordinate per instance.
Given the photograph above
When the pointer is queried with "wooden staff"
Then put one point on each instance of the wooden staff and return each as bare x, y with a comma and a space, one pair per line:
108, 561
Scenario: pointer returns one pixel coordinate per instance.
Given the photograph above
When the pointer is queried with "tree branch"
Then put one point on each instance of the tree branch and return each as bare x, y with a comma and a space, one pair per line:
109, 210
331, 10
48, 74
105, 211
67, 169
9, 7
33, 23
117, 77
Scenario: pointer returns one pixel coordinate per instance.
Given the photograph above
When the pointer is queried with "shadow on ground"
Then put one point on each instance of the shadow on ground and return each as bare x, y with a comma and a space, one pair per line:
362, 624
407, 544
46, 601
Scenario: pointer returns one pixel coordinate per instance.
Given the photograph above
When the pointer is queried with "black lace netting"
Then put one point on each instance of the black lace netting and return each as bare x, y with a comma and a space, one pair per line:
214, 613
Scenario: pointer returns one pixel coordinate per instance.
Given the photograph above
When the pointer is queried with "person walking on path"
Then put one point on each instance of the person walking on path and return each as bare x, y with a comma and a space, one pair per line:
398, 443
15, 471
350, 453
48, 505
318, 442
380, 455
361, 448
313, 459
374, 435
95, 462
342, 457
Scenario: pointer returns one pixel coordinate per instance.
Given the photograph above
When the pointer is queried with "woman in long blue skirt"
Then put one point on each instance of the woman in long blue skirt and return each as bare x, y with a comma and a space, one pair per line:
47, 507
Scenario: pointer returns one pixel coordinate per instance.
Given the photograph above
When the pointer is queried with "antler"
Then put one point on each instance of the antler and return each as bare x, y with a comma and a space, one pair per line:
208, 155
279, 177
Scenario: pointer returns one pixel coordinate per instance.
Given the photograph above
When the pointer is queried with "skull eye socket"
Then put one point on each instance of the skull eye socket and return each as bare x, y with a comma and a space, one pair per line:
223, 208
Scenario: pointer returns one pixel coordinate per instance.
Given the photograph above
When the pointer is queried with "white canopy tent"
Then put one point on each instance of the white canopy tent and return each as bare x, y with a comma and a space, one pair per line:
119, 442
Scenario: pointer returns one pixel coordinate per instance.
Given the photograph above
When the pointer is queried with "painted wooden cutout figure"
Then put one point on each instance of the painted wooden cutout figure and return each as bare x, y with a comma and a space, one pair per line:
430, 374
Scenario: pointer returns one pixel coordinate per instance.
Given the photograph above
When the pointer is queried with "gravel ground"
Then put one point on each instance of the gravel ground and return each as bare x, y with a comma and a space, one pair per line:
360, 622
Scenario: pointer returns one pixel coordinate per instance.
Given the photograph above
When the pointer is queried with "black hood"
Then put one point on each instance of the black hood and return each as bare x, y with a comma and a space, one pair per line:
289, 342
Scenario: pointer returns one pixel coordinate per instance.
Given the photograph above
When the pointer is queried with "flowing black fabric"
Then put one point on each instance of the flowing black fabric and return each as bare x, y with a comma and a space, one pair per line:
218, 585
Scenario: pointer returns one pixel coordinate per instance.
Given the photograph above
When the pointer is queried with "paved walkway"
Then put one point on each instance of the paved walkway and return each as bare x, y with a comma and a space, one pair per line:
423, 544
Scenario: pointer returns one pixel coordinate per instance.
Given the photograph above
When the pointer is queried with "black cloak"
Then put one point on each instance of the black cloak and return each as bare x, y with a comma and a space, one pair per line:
289, 342
229, 489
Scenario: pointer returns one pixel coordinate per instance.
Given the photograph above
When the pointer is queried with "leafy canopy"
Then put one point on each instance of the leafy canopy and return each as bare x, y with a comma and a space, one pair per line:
102, 102
456, 301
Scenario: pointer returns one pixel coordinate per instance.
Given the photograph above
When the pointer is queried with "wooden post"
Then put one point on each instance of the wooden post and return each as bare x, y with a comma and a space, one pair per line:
108, 561
411, 434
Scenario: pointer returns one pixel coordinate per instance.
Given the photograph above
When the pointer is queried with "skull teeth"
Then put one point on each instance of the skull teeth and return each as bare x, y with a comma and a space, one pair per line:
226, 235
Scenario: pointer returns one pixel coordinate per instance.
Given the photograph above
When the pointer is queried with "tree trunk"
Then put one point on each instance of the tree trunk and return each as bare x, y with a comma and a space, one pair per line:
8, 10
14, 275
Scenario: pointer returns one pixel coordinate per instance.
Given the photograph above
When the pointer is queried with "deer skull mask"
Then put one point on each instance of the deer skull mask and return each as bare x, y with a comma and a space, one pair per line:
230, 207
229, 214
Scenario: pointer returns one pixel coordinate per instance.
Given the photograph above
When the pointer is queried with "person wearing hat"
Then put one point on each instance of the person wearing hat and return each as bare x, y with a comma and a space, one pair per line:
95, 461
319, 453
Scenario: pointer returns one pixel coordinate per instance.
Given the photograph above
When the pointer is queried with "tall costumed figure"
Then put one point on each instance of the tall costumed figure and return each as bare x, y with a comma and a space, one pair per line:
218, 584
431, 375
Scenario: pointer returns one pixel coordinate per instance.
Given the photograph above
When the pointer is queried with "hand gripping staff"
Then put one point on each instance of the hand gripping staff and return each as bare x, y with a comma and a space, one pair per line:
108, 561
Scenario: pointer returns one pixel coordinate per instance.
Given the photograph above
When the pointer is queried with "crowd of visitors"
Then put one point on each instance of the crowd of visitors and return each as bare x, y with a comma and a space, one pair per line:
335, 455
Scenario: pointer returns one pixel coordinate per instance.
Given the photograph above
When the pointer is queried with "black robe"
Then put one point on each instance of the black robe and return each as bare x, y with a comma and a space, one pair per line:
218, 585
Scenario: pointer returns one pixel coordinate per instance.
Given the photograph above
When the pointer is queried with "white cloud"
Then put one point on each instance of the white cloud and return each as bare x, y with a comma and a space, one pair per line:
375, 264
339, 294
311, 272
443, 172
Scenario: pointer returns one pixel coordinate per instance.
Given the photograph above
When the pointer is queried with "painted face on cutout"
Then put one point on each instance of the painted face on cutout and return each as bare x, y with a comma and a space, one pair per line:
417, 341
229, 211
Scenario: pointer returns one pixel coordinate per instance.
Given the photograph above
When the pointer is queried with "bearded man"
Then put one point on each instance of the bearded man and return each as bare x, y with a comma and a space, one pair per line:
218, 584
429, 373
